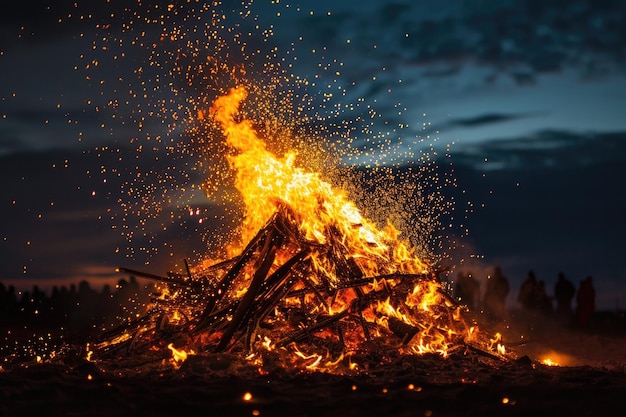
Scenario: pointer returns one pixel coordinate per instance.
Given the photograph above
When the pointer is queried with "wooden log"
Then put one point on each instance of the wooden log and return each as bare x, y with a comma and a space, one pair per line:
169, 280
214, 319
278, 276
269, 302
221, 288
272, 242
403, 330
224, 264
361, 303
366, 332
277, 285
124, 327
269, 287
486, 353
287, 224
389, 277
301, 334
346, 268
317, 291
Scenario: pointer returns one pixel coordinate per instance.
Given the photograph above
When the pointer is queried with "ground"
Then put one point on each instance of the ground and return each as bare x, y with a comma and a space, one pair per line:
592, 382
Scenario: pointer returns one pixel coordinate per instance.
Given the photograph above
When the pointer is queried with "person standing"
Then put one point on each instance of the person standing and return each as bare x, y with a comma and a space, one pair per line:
564, 291
527, 296
544, 302
586, 301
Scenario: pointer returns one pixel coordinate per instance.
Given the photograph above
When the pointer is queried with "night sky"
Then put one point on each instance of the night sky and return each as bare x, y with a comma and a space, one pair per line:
523, 101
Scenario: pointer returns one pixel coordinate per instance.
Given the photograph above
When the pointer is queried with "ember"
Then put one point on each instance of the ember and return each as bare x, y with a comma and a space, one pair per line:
316, 285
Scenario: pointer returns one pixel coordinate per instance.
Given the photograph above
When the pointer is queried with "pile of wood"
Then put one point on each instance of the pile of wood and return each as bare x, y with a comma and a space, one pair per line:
273, 296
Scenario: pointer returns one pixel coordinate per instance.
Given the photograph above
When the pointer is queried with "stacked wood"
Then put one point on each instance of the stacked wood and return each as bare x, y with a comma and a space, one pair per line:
272, 295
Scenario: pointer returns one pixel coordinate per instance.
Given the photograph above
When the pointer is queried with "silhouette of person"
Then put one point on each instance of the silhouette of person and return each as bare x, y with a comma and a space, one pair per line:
564, 291
544, 303
527, 296
467, 290
495, 294
586, 301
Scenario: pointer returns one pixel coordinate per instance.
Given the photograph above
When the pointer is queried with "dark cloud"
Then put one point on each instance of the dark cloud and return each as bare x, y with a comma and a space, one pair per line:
485, 119
10, 141
547, 149
520, 39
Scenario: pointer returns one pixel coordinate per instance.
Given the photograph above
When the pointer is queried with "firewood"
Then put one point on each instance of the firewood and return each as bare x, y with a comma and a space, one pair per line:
281, 282
272, 241
220, 289
401, 329
224, 321
169, 280
301, 334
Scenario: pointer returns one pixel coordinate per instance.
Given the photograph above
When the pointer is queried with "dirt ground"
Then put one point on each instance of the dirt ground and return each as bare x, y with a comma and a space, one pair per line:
590, 381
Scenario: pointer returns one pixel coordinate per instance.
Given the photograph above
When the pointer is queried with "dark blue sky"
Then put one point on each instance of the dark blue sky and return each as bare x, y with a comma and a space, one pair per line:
528, 99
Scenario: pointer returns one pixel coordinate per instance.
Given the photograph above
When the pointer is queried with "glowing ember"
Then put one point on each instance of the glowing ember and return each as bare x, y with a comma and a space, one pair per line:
549, 362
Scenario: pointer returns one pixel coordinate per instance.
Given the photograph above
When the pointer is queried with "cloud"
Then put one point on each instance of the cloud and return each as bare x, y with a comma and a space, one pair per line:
486, 119
546, 149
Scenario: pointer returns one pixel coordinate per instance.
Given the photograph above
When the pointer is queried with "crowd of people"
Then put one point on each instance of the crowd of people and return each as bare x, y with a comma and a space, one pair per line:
568, 303
81, 306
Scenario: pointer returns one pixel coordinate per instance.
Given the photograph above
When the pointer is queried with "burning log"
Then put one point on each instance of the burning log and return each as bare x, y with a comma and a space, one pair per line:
301, 334
402, 330
228, 319
326, 274
220, 290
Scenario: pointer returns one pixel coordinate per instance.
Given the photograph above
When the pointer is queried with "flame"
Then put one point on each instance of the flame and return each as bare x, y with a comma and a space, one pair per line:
266, 180
324, 213
319, 316
555, 358
179, 356
549, 362
495, 344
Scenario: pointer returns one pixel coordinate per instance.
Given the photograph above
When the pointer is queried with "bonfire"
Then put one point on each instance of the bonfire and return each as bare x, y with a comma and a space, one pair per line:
310, 283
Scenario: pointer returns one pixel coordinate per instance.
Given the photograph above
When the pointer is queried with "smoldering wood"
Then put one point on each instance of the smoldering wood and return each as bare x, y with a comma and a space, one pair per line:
403, 330
123, 328
484, 352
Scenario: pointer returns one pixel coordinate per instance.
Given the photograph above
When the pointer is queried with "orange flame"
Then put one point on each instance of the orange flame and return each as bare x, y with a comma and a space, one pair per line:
324, 214
266, 180
179, 355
